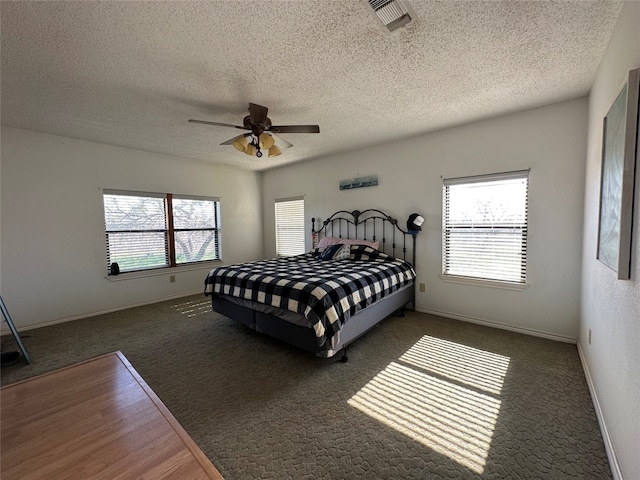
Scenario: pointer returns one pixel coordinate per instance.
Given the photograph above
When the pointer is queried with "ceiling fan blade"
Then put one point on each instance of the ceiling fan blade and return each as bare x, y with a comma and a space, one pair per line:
280, 142
258, 114
218, 124
231, 140
295, 129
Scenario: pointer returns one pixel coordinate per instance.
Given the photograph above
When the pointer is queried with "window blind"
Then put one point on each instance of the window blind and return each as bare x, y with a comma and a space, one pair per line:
136, 231
196, 226
290, 226
154, 230
485, 225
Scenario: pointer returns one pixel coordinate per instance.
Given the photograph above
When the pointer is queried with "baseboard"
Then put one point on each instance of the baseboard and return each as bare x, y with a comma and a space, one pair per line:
5, 331
489, 323
608, 445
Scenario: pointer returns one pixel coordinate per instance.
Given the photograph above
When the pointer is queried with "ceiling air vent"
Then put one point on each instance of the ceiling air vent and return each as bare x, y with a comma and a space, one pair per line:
392, 13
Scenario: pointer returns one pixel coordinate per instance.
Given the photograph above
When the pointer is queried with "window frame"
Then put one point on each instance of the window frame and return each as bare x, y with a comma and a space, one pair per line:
523, 227
215, 229
302, 248
169, 231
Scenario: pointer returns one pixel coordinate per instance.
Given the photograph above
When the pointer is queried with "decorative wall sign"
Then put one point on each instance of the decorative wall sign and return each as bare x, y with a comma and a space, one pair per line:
619, 146
369, 181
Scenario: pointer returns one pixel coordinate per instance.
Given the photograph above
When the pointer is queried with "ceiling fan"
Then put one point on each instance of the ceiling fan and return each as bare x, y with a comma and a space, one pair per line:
262, 132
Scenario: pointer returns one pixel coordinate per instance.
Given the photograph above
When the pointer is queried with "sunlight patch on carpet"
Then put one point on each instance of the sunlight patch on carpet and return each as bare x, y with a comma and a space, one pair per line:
193, 307
443, 395
468, 365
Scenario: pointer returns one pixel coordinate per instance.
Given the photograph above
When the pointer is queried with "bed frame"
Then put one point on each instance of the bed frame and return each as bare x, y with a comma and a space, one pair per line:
372, 225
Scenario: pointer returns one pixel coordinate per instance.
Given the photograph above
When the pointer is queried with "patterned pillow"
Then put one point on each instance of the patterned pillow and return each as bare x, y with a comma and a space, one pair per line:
363, 252
343, 253
330, 251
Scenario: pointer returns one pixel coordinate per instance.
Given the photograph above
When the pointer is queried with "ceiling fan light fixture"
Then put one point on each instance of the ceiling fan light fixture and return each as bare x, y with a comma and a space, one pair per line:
251, 150
240, 143
261, 141
274, 151
265, 141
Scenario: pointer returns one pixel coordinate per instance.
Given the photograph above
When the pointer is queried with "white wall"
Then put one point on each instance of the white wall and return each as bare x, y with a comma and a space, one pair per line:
611, 307
550, 140
53, 258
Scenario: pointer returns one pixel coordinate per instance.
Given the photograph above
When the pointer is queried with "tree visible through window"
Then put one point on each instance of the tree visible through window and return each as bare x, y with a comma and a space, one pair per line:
150, 230
289, 226
196, 223
485, 224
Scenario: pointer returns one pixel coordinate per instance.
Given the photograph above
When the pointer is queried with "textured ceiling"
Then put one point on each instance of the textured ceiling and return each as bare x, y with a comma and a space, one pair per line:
133, 73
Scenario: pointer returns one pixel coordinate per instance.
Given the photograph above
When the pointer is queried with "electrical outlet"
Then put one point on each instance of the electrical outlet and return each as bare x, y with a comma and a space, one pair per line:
589, 336
422, 287
172, 278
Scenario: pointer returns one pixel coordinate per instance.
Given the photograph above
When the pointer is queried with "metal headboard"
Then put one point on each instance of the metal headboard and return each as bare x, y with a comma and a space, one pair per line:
372, 225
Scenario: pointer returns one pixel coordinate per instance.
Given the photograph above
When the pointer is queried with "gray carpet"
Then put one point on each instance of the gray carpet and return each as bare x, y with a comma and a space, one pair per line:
422, 397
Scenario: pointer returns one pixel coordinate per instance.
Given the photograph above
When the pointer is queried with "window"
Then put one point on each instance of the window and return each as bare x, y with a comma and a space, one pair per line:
485, 227
290, 226
152, 230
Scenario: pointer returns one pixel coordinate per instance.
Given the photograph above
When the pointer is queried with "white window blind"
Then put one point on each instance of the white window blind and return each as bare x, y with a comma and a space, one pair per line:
136, 231
289, 226
154, 230
196, 223
485, 227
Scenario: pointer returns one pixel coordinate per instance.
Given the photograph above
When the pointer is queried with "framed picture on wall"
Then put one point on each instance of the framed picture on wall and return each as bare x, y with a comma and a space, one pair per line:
617, 181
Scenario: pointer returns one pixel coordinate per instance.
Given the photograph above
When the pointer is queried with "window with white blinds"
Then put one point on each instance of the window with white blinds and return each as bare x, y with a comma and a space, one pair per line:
290, 226
152, 230
485, 227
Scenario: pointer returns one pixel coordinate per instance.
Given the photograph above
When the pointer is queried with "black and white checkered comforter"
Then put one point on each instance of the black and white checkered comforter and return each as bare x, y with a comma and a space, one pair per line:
326, 292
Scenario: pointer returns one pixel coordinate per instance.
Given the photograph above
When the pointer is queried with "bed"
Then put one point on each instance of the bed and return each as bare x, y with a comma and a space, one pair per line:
360, 271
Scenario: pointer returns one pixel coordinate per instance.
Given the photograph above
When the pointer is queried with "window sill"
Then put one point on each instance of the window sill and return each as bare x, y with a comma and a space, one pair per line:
481, 282
162, 271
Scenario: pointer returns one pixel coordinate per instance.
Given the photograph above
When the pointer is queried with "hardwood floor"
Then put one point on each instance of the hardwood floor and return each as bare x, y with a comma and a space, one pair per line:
98, 420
